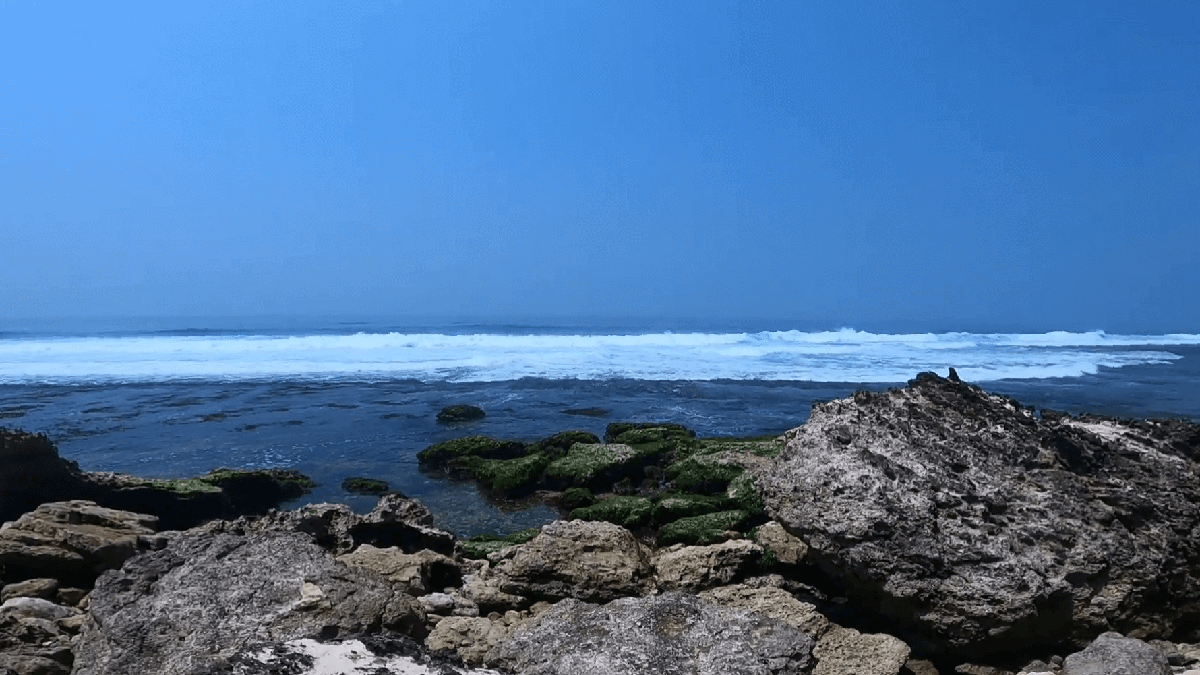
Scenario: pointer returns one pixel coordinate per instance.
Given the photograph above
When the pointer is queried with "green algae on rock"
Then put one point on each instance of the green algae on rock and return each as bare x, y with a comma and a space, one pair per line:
460, 413
704, 529
481, 545
368, 486
628, 512
444, 456
674, 506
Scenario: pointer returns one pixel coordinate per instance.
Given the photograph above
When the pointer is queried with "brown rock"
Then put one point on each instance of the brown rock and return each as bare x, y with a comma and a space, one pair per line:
699, 567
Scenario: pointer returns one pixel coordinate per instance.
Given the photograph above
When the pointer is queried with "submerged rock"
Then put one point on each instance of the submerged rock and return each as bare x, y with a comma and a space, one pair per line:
669, 633
977, 529
460, 413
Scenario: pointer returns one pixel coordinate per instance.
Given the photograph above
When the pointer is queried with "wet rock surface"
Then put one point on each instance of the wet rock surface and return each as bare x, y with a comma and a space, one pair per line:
976, 528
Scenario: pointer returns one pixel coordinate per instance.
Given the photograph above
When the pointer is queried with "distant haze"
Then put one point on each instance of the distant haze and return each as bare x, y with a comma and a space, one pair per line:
980, 166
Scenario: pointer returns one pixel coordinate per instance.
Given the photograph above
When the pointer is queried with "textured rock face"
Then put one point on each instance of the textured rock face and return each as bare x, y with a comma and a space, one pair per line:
669, 634
1114, 654
979, 529
594, 561
179, 610
73, 541
33, 473
416, 573
699, 567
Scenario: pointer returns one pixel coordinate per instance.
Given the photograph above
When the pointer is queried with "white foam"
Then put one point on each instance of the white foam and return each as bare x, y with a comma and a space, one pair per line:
832, 356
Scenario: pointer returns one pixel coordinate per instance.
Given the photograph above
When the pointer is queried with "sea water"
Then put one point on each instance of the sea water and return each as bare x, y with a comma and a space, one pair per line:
336, 397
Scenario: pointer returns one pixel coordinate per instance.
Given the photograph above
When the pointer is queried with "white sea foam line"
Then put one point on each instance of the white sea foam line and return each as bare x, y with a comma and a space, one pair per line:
832, 356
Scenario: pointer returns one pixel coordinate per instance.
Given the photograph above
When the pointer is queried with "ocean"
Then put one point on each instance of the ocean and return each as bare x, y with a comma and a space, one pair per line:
338, 397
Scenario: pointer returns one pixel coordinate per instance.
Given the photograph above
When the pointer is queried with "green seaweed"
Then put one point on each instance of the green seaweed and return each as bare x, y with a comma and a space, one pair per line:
362, 485
743, 491
614, 430
704, 529
559, 444
586, 461
510, 477
449, 454
672, 507
576, 497
630, 512
703, 474
481, 545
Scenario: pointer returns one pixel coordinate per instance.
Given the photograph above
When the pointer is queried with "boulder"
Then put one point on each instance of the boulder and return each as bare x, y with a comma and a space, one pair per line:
594, 561
30, 588
698, 567
32, 473
783, 546
775, 603
471, 638
668, 633
977, 529
414, 573
73, 541
184, 609
1115, 654
32, 638
845, 651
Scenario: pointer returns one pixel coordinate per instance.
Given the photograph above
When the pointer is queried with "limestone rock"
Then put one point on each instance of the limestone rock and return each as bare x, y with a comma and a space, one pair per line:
73, 541
978, 529
775, 603
668, 633
594, 561
843, 651
787, 549
183, 609
415, 573
1115, 654
700, 567
470, 637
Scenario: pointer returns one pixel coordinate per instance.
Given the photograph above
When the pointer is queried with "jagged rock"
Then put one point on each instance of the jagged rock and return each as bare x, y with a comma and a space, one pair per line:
977, 529
1115, 654
594, 561
699, 567
396, 521
30, 588
669, 633
183, 609
73, 541
919, 667
415, 573
483, 589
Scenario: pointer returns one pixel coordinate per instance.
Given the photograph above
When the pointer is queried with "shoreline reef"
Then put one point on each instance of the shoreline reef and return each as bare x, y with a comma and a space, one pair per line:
927, 530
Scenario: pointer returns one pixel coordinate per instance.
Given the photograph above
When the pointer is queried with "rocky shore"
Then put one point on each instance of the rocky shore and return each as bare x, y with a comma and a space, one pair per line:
934, 529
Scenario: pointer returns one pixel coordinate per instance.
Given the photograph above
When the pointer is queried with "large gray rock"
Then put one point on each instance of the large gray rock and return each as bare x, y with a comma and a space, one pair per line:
1115, 654
585, 560
183, 609
73, 541
669, 634
977, 529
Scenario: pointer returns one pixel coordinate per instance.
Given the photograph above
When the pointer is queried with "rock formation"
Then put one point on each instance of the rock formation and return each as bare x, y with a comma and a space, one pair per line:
975, 528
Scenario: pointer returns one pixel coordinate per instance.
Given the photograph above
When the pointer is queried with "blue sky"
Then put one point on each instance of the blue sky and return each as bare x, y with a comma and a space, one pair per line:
883, 165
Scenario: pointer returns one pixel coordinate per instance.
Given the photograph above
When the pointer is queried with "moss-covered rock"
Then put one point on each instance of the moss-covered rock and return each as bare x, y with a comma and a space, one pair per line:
674, 506
615, 430
445, 456
558, 444
365, 486
454, 414
574, 498
480, 546
628, 512
508, 477
703, 474
761, 446
743, 492
704, 529
595, 466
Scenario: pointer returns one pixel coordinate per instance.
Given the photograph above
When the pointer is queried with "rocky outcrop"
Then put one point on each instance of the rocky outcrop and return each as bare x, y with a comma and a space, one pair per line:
975, 528
73, 542
669, 633
34, 474
179, 611
695, 568
593, 561
418, 574
456, 414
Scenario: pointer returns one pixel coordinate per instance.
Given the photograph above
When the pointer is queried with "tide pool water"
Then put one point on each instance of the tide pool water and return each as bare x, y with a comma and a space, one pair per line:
335, 401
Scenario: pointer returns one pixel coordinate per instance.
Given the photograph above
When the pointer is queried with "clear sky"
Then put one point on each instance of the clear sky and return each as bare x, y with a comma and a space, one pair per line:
883, 165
